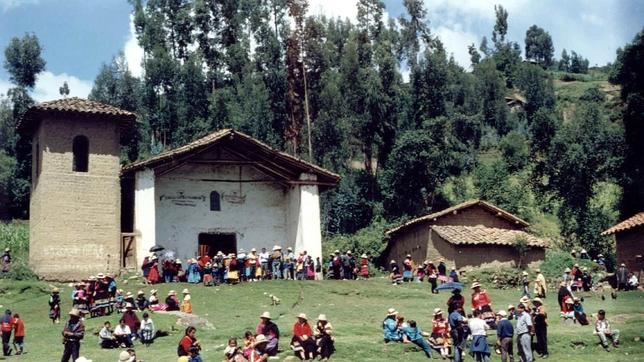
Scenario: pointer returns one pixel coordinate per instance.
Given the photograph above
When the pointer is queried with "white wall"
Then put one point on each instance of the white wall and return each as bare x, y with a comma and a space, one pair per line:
258, 222
144, 213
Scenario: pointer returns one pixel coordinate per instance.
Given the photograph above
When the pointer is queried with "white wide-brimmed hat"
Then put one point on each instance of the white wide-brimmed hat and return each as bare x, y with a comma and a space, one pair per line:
392, 311
75, 312
502, 313
475, 285
266, 315
260, 339
302, 316
537, 300
322, 317
277, 247
437, 311
185, 291
125, 356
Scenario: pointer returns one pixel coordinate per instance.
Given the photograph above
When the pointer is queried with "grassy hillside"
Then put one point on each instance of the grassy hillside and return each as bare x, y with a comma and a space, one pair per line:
356, 310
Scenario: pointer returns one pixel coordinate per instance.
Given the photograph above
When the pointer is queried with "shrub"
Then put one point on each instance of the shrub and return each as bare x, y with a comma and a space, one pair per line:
556, 261
15, 236
369, 240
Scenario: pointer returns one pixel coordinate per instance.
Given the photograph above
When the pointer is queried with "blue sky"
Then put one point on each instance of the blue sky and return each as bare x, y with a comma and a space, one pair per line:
79, 35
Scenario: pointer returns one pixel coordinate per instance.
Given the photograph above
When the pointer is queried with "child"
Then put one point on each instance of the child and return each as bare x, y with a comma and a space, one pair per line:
186, 305
147, 331
107, 339
249, 340
232, 349
54, 306
207, 275
18, 334
194, 355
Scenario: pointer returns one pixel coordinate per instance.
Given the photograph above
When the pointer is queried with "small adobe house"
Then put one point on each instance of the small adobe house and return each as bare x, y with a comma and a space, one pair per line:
468, 235
629, 243
225, 191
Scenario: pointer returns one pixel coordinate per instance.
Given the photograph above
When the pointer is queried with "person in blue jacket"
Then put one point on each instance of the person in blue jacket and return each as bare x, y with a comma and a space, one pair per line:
416, 336
390, 327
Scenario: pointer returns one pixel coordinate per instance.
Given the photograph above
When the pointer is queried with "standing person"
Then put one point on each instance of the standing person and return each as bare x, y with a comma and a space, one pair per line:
604, 331
318, 268
453, 275
276, 261
188, 341
455, 301
145, 267
479, 347
6, 327
18, 334
441, 332
395, 275
563, 295
54, 306
540, 285
364, 266
408, 269
505, 333
289, 261
336, 265
263, 261
457, 323
6, 260
622, 277
432, 276
525, 280
442, 271
347, 271
153, 272
73, 333
541, 327
270, 331
567, 278
525, 330
148, 331
480, 299
323, 337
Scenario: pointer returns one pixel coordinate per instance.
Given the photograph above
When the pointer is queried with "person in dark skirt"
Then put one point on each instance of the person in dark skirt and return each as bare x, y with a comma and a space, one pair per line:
323, 338
541, 327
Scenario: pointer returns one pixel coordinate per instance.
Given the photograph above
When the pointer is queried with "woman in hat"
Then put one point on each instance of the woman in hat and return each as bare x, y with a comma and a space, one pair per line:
453, 275
193, 272
442, 271
54, 306
131, 319
186, 305
259, 353
324, 338
302, 342
270, 330
541, 327
390, 327
153, 274
564, 293
455, 301
408, 268
171, 301
540, 286
141, 302
420, 272
580, 315
480, 299
207, 274
441, 332
479, 347
432, 276
364, 266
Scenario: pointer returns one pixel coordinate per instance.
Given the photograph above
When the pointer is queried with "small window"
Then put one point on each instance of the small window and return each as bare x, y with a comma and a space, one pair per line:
215, 204
80, 149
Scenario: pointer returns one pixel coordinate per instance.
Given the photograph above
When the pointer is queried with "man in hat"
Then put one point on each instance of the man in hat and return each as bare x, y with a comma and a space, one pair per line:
390, 327
73, 332
458, 332
586, 279
270, 331
131, 319
525, 330
54, 305
263, 261
6, 260
276, 262
604, 331
540, 285
526, 284
622, 277
289, 263
504, 333
541, 327
6, 326
336, 265
347, 271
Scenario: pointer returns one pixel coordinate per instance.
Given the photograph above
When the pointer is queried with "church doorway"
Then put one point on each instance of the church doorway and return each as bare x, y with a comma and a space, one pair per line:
211, 243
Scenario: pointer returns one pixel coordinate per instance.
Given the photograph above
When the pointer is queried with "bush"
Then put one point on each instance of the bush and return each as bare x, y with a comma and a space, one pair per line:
557, 261
369, 240
499, 278
15, 236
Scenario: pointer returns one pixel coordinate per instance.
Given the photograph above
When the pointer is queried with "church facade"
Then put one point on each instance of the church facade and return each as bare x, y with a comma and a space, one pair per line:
223, 192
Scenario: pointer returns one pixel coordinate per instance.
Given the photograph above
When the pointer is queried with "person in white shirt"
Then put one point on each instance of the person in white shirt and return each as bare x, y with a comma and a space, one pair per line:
633, 282
147, 331
122, 333
478, 329
106, 337
604, 331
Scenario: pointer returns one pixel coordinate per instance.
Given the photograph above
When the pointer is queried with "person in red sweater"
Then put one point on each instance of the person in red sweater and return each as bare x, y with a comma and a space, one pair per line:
188, 341
302, 343
18, 334
6, 326
480, 300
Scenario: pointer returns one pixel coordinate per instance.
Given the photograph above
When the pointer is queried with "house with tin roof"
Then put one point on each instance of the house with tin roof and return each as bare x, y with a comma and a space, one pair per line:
472, 234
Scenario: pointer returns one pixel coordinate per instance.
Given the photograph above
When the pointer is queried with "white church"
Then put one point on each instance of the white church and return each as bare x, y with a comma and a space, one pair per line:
224, 192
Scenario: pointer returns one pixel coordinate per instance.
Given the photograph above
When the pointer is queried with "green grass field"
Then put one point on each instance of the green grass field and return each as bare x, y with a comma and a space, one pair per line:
355, 309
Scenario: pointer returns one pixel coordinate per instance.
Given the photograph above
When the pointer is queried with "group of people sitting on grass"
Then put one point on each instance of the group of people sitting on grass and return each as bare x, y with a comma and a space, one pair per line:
233, 268
307, 343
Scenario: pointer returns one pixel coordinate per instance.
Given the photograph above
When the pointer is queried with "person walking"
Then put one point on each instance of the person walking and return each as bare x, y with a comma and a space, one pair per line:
18, 334
541, 327
505, 333
73, 333
525, 330
479, 348
6, 327
526, 284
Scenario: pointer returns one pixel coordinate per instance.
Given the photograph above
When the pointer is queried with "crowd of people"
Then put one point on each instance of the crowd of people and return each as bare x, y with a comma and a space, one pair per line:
411, 272
233, 268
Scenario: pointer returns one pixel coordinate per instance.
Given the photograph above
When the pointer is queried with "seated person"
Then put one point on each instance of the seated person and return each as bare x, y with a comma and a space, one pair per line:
122, 333
390, 327
323, 338
604, 331
578, 309
106, 338
414, 335
302, 343
633, 283
440, 332
147, 331
171, 301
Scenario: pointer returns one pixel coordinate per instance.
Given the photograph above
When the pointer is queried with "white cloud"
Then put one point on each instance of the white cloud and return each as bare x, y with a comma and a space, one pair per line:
456, 41
476, 8
12, 4
48, 83
133, 52
592, 19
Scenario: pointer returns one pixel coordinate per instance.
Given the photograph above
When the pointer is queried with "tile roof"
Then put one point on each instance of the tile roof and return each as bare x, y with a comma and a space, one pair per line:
631, 222
492, 208
481, 235
74, 105
275, 156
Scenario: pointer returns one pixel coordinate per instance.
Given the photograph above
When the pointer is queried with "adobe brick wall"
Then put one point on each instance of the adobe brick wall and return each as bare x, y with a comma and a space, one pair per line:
629, 244
75, 216
413, 240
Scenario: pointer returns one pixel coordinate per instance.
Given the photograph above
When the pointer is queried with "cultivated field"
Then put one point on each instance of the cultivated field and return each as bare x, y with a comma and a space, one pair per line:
355, 309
